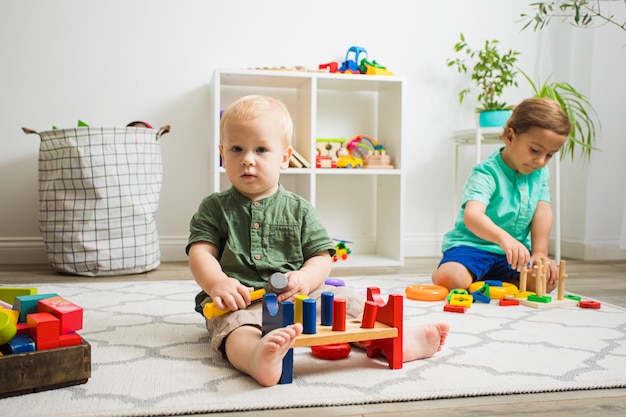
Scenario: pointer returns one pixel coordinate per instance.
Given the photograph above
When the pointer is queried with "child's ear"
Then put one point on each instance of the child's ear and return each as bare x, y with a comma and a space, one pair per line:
221, 149
510, 134
284, 164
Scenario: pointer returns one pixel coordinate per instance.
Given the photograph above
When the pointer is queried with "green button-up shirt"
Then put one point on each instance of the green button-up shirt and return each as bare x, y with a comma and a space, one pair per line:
510, 199
257, 238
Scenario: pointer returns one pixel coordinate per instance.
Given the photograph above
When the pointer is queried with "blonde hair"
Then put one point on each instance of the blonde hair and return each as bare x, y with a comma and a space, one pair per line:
544, 113
253, 106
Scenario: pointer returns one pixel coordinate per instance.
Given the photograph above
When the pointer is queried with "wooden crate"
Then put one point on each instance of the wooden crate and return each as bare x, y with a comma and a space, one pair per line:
42, 370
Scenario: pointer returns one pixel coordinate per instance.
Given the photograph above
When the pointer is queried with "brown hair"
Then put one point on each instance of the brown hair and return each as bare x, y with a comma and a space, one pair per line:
544, 113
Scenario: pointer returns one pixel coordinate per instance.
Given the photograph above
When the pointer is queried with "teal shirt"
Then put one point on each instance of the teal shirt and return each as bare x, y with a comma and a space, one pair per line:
257, 238
510, 199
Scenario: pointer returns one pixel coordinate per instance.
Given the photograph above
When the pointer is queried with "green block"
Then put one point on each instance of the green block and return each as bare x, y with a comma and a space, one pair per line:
572, 297
540, 299
8, 294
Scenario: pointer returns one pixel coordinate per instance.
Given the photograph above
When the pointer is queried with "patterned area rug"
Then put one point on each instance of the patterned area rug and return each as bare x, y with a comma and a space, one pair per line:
150, 356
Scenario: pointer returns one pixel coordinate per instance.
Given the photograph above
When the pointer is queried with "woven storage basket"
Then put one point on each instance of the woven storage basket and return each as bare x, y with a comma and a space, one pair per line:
98, 193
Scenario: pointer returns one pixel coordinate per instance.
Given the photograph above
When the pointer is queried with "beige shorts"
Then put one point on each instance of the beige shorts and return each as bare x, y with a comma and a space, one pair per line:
220, 327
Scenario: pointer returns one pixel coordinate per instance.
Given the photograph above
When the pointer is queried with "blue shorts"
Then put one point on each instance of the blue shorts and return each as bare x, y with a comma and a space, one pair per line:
482, 265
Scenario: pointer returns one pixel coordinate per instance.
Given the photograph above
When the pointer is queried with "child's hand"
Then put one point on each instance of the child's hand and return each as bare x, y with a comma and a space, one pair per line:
552, 272
297, 281
517, 255
229, 293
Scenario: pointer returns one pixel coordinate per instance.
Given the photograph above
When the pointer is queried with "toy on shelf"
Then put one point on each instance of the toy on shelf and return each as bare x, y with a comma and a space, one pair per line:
341, 250
361, 151
373, 68
328, 152
356, 62
346, 160
380, 330
373, 153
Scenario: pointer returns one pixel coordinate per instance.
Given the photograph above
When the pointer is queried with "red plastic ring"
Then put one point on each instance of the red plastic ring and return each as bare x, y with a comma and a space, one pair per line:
331, 351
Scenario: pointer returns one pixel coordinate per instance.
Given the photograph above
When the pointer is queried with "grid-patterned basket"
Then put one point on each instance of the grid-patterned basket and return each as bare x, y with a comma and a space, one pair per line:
98, 194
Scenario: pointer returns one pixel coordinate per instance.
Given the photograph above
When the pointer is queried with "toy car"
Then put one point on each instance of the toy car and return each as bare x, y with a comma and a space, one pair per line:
349, 161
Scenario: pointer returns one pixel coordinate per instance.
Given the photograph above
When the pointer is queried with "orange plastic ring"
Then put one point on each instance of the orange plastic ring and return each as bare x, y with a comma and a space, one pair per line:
424, 292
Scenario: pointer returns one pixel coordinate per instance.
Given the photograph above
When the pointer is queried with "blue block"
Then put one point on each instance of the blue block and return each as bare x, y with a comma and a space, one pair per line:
21, 343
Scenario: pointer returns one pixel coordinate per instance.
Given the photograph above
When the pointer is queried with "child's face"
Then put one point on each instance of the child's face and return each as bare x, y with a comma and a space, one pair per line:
253, 153
530, 151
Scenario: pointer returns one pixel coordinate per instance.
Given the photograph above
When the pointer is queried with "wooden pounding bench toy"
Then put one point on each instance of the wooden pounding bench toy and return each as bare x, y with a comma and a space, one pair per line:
379, 331
39, 346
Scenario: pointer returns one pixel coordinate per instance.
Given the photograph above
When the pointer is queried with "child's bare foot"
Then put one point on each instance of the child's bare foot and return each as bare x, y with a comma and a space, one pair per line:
266, 365
423, 341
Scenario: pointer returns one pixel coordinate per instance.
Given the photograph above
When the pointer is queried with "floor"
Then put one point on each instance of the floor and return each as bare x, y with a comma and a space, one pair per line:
605, 281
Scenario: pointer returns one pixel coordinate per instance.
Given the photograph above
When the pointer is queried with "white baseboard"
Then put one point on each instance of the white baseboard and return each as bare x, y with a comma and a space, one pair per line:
24, 251
33, 251
417, 246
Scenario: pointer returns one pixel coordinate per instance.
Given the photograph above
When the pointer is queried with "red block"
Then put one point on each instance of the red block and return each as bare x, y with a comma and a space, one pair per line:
509, 302
43, 328
69, 314
454, 309
70, 339
589, 304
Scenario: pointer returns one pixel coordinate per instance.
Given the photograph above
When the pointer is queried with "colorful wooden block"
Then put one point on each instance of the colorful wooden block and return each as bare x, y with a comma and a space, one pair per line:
464, 300
8, 294
43, 328
454, 309
21, 343
70, 339
589, 304
69, 314
509, 302
540, 298
27, 304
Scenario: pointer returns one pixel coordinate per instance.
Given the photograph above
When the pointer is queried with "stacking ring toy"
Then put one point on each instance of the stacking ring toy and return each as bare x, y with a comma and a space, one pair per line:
331, 351
495, 292
426, 292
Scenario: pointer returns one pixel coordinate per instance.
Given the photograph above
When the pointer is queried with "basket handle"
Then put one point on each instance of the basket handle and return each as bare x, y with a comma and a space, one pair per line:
163, 130
29, 131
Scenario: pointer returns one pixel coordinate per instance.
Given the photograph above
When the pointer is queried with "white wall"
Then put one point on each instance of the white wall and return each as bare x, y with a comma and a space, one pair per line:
112, 62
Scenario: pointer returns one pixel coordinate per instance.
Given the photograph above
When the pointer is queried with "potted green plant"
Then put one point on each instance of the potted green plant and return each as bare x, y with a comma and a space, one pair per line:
578, 108
492, 72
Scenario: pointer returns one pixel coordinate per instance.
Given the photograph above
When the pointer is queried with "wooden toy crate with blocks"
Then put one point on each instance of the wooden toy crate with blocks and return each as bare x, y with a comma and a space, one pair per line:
42, 370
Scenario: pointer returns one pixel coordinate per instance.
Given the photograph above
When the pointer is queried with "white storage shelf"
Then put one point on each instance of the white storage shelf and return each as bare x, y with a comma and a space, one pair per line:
363, 206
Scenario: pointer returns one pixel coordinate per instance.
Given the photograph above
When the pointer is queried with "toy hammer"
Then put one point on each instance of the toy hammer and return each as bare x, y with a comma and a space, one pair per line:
276, 284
